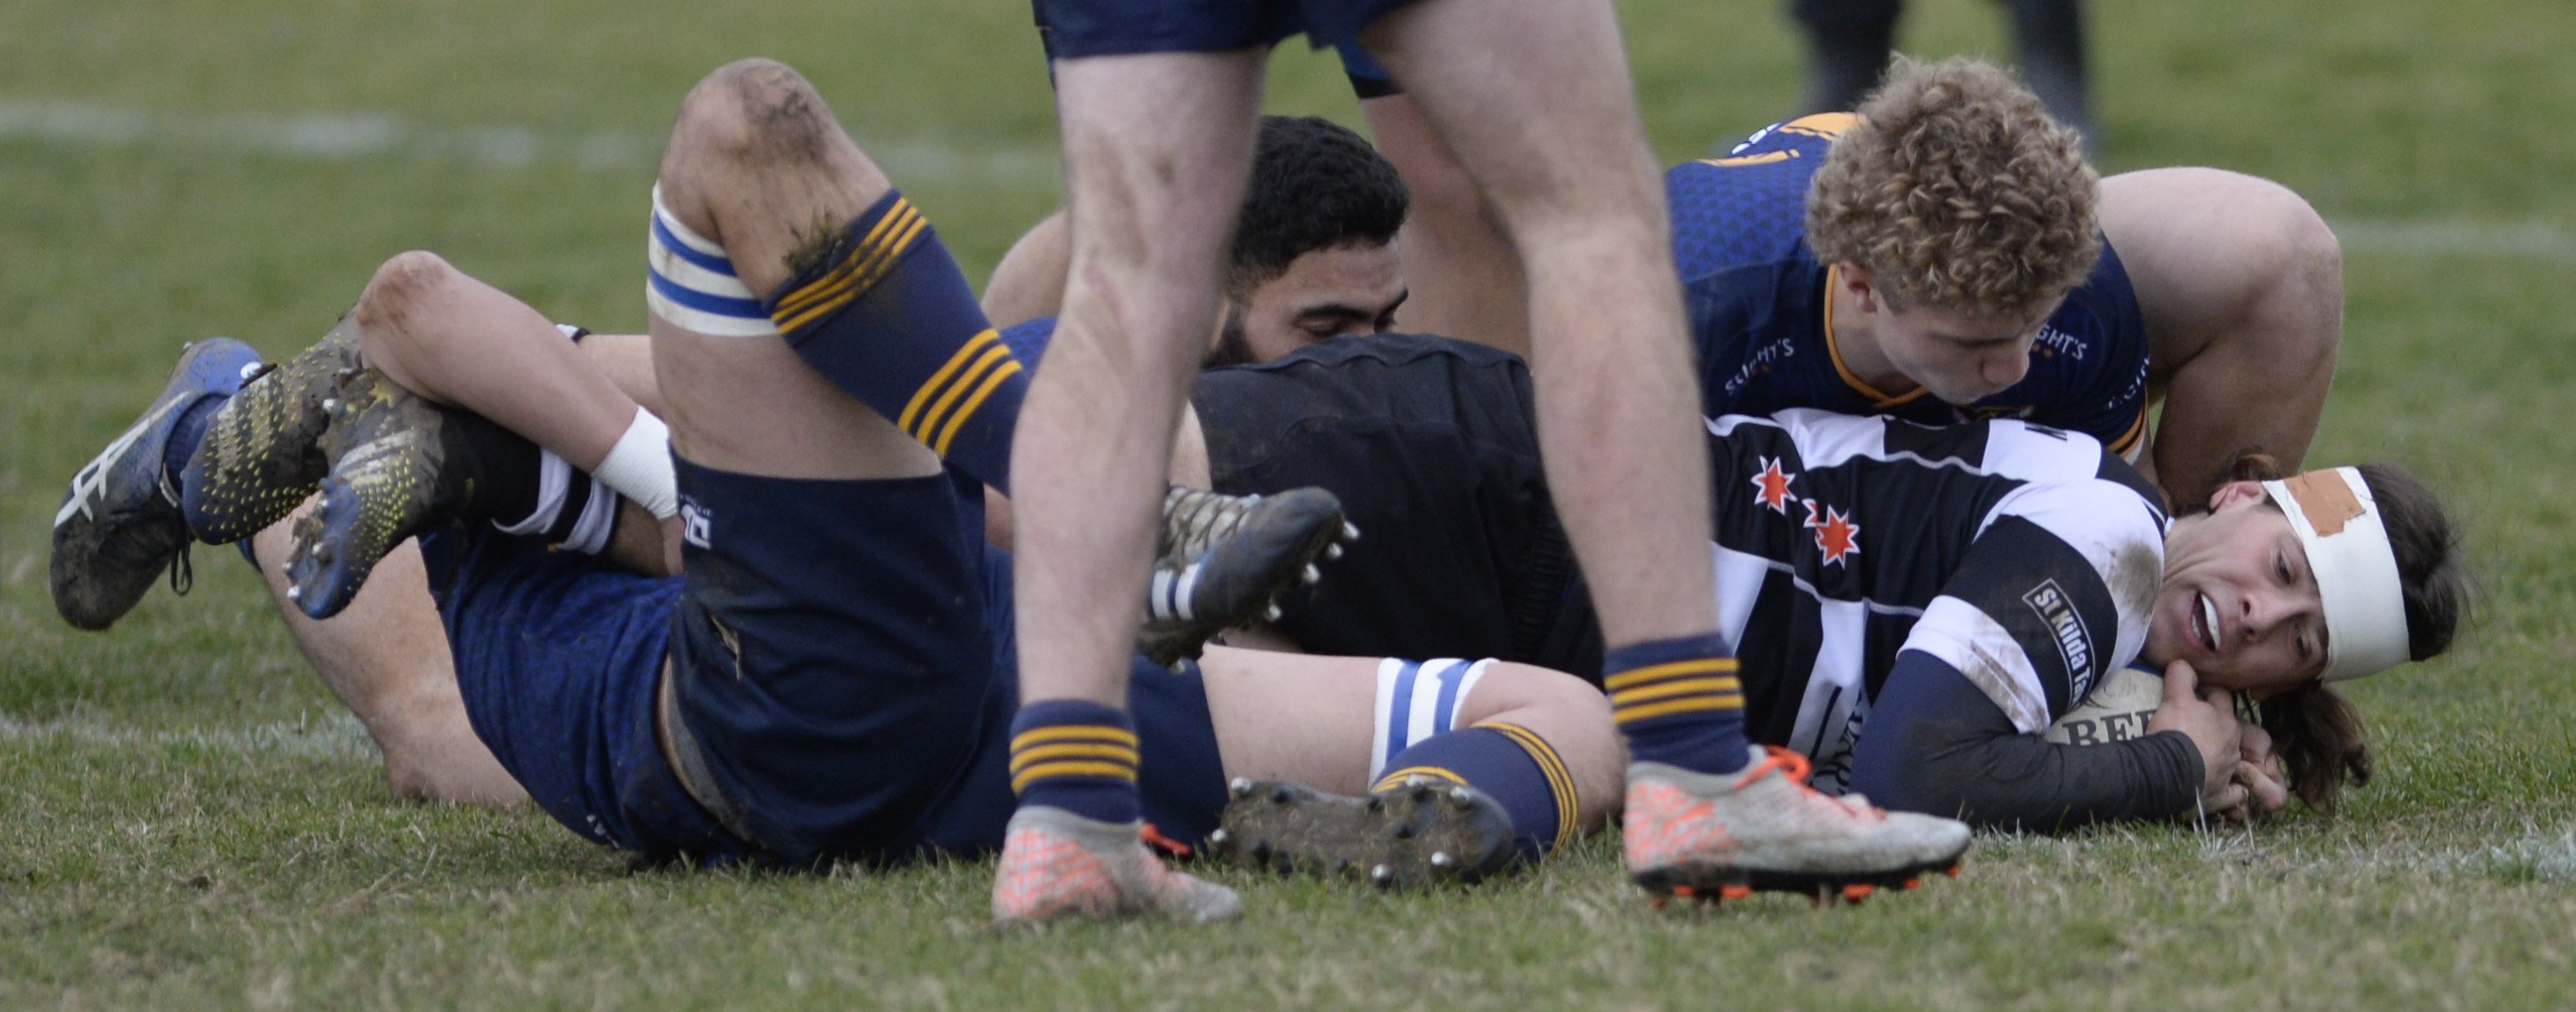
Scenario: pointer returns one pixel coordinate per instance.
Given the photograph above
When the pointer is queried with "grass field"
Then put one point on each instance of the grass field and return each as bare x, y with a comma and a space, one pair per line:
187, 818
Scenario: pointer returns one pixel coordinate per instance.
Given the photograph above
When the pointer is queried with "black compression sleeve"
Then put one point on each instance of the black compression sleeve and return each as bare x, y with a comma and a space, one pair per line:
1934, 743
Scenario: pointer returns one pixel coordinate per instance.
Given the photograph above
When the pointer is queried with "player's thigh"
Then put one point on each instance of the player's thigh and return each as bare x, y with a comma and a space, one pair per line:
1533, 95
1330, 722
1157, 151
1283, 716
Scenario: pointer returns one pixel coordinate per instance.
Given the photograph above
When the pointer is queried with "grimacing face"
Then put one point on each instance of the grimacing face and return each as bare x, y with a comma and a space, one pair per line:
1324, 293
2238, 602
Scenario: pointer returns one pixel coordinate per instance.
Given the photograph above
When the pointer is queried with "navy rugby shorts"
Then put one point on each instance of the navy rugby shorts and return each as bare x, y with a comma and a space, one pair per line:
1079, 28
558, 656
843, 673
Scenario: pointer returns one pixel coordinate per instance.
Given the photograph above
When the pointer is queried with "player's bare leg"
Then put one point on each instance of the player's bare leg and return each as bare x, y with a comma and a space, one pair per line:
757, 165
432, 336
385, 657
1157, 152
1399, 773
1535, 100
447, 336
1456, 258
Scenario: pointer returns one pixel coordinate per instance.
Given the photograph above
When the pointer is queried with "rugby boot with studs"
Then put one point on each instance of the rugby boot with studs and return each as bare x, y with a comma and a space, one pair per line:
400, 466
1725, 835
120, 525
1057, 865
1422, 832
1223, 561
262, 453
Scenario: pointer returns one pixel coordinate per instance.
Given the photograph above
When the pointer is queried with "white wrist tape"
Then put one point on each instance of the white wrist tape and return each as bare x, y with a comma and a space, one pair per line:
639, 466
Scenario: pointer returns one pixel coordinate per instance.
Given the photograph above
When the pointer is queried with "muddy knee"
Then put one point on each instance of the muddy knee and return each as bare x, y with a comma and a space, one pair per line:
754, 111
393, 300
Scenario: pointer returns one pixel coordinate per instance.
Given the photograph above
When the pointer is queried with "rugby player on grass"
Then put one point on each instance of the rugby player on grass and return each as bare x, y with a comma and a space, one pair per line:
832, 675
2220, 289
1933, 256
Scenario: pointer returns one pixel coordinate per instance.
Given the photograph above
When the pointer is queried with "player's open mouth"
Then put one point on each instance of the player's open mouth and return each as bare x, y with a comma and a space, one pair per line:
2204, 622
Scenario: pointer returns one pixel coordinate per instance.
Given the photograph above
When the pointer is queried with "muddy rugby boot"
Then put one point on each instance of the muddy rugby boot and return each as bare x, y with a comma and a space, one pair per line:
120, 525
1223, 561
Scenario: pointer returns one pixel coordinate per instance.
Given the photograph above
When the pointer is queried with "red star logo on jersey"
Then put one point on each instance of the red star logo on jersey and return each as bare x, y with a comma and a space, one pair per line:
1836, 535
1771, 487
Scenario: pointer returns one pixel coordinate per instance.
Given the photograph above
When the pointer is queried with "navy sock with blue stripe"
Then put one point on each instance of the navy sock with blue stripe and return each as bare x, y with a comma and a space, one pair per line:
1075, 755
186, 433
885, 314
1508, 762
1679, 703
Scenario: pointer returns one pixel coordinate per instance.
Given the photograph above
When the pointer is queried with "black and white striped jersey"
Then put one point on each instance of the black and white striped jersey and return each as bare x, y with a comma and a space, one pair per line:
2024, 556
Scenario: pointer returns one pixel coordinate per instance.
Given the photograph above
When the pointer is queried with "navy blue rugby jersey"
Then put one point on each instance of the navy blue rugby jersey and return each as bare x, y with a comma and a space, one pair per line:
2024, 556
1759, 321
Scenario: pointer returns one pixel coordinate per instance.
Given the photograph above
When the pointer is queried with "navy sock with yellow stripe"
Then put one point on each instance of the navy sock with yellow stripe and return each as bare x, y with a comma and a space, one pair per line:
884, 313
1679, 703
1512, 765
1075, 755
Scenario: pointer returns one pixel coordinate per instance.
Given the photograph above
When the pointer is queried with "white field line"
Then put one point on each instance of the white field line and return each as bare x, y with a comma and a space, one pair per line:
333, 736
378, 135
2457, 238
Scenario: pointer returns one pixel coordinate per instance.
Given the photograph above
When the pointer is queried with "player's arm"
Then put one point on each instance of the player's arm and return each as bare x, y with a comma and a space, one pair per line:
2042, 606
1029, 282
2241, 286
1937, 743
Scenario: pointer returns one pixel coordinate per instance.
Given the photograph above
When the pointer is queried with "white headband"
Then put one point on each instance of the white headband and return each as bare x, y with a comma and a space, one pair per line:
2337, 521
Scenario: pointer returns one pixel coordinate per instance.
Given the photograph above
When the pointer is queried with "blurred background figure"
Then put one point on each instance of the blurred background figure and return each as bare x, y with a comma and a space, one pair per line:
1849, 41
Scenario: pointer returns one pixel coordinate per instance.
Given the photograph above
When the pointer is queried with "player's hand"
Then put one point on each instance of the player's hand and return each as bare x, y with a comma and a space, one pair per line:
2208, 718
2260, 771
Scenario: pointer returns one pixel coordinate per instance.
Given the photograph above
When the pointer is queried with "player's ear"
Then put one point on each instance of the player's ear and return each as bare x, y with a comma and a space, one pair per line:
1855, 278
2234, 492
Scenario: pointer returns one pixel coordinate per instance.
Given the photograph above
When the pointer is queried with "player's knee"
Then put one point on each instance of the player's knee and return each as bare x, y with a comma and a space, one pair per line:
754, 110
2316, 259
400, 287
2308, 267
1572, 715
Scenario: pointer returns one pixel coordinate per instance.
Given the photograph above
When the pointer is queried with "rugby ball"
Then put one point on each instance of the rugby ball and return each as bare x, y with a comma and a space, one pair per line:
2117, 709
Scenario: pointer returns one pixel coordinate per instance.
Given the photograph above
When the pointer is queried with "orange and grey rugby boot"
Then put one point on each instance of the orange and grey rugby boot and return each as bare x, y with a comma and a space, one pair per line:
1416, 833
262, 453
120, 525
401, 465
1056, 864
1725, 835
1223, 561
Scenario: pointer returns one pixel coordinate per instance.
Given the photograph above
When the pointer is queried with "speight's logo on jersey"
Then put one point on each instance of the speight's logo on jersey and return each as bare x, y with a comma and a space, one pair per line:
1760, 362
2074, 644
2060, 342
